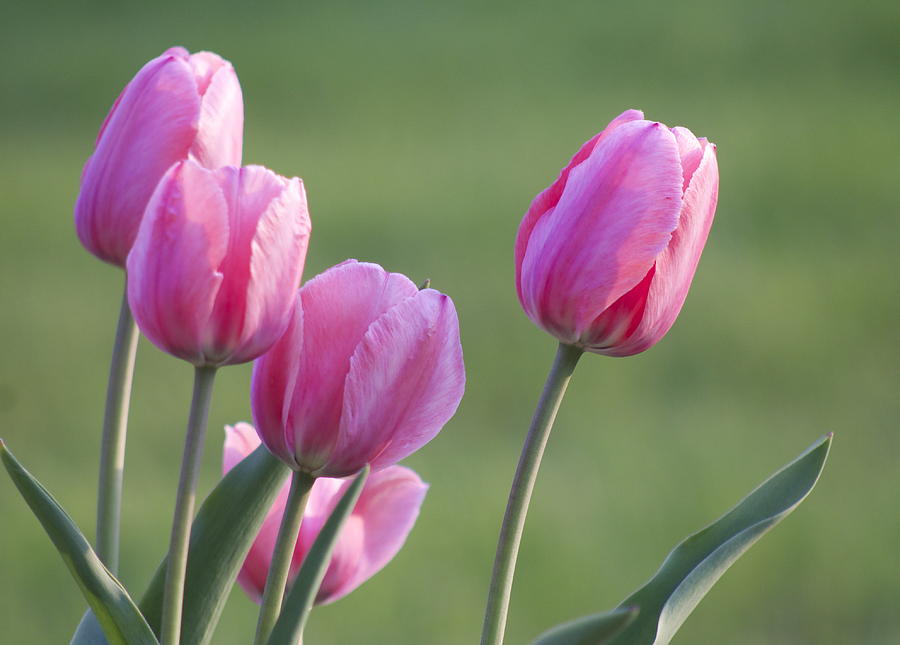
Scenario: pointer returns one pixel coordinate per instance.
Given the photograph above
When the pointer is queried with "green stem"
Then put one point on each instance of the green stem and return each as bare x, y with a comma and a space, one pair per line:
520, 494
184, 506
112, 447
276, 581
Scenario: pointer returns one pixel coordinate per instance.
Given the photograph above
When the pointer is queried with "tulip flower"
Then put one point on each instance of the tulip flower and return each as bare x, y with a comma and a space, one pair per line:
372, 536
213, 274
368, 371
178, 106
606, 254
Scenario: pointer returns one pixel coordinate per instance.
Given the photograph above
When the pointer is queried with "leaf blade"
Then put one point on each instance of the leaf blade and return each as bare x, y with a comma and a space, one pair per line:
597, 629
115, 612
696, 563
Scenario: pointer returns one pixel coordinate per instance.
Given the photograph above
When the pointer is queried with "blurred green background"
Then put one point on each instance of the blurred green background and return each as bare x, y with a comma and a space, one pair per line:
423, 130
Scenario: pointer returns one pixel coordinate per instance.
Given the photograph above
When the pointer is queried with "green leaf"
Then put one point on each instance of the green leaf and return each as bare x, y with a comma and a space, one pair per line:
289, 628
590, 630
695, 565
117, 615
221, 536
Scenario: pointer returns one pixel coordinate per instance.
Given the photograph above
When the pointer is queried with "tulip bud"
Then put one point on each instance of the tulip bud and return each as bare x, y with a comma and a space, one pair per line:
178, 106
606, 254
213, 274
368, 371
372, 536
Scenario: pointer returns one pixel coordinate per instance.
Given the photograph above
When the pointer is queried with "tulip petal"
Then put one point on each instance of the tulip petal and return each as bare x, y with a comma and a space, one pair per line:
151, 126
277, 256
249, 192
272, 387
375, 532
173, 275
621, 206
690, 151
220, 138
405, 382
338, 307
676, 265
549, 197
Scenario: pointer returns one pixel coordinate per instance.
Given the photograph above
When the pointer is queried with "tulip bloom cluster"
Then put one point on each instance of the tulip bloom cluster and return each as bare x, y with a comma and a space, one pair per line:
357, 368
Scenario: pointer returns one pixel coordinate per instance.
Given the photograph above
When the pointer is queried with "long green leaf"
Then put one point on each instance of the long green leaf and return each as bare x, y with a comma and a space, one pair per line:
695, 565
221, 536
289, 628
590, 630
116, 613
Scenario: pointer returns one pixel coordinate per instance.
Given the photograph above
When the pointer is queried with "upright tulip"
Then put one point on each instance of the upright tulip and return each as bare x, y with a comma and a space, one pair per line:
368, 371
213, 274
375, 531
606, 254
178, 106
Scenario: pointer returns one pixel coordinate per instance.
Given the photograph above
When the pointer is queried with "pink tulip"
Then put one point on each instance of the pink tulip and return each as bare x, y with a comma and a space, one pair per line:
372, 536
213, 274
178, 106
368, 371
606, 254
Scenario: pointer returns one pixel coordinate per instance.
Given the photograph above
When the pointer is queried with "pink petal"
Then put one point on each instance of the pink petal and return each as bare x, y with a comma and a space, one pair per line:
173, 275
220, 135
151, 126
338, 307
240, 440
690, 151
272, 386
374, 533
675, 267
249, 192
277, 256
615, 216
548, 198
405, 382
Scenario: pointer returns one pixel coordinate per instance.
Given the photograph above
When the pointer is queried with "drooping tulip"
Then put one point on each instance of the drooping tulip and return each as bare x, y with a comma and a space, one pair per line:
178, 106
368, 371
605, 256
213, 274
375, 531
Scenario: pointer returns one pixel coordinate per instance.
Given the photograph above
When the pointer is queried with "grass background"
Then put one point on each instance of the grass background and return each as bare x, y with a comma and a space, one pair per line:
422, 131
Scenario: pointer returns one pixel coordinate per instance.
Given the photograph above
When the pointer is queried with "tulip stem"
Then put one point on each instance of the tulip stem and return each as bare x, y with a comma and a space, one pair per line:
520, 494
276, 581
176, 568
112, 446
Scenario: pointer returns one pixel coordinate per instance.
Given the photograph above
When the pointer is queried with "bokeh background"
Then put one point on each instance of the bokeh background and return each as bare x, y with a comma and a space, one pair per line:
422, 131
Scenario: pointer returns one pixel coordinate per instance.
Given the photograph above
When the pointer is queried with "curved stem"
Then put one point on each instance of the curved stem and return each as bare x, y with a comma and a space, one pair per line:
112, 446
184, 506
276, 581
520, 494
